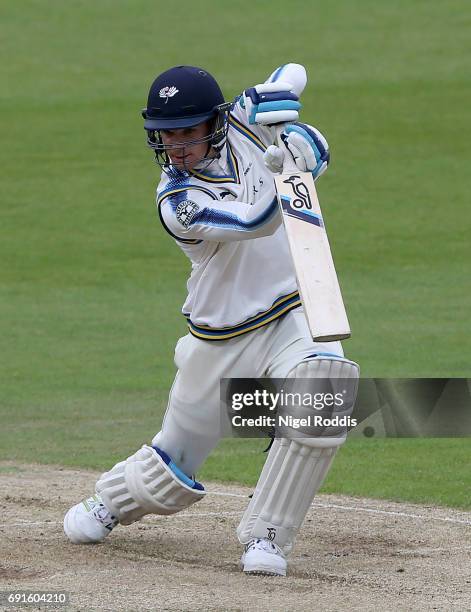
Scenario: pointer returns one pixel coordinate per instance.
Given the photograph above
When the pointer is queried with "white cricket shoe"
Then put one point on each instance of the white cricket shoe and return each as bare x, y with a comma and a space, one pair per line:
264, 558
89, 521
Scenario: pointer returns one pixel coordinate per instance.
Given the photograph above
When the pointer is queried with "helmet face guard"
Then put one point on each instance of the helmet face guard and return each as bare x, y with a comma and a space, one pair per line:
216, 139
184, 97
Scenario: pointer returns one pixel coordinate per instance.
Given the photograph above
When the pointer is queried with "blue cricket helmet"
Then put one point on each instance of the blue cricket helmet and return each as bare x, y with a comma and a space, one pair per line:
181, 97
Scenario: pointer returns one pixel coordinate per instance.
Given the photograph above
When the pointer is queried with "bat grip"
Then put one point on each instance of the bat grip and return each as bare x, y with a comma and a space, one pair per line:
289, 165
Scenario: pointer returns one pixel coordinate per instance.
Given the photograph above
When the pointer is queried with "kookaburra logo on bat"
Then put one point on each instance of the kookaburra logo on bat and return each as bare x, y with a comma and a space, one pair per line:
302, 199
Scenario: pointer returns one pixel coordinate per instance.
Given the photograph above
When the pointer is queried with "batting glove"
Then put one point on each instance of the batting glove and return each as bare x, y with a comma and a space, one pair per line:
274, 158
270, 103
305, 144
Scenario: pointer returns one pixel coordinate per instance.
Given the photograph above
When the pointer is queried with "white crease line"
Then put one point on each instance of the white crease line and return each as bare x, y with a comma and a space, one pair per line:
394, 513
209, 514
203, 514
182, 515
369, 510
314, 505
227, 494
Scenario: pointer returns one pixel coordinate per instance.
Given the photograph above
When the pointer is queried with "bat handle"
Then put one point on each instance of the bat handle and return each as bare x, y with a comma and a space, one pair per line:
289, 165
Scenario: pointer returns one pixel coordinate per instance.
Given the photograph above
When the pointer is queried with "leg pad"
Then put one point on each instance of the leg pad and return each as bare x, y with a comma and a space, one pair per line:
298, 462
145, 483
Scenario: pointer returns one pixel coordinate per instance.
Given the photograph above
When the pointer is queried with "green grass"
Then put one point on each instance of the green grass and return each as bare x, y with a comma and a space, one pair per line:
91, 286
414, 470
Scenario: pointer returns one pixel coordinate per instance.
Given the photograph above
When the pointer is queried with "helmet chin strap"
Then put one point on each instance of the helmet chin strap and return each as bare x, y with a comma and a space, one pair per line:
205, 161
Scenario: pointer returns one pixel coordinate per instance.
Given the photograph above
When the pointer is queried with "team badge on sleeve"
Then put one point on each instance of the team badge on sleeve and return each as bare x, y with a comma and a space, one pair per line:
185, 212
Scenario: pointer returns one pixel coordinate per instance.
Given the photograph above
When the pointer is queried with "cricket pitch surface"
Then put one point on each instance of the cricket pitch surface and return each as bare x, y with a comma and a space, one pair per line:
352, 553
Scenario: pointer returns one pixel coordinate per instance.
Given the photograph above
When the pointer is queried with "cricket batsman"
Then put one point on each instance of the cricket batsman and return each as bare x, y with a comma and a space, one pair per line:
216, 199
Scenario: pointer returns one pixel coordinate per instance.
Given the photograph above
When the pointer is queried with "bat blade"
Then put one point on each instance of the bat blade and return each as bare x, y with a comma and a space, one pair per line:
312, 258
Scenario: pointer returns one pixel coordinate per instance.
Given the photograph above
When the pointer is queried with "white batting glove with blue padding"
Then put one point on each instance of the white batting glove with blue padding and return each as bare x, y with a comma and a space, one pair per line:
290, 73
307, 146
270, 103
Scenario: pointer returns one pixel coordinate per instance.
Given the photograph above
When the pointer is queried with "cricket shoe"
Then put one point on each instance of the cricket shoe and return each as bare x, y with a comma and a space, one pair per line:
89, 521
264, 558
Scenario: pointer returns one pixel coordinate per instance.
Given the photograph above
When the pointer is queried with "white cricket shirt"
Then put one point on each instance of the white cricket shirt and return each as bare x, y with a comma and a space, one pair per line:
226, 221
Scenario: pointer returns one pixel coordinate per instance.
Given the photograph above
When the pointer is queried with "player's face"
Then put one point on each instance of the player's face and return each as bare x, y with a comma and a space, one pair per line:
181, 147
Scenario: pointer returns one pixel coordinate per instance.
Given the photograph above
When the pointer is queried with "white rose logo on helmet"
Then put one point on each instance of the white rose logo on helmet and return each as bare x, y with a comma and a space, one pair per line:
168, 92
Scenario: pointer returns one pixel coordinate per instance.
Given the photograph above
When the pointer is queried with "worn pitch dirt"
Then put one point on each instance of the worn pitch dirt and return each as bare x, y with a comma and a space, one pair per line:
352, 554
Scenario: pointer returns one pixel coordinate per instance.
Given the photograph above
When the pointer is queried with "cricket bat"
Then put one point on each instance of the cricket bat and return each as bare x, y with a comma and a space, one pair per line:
312, 258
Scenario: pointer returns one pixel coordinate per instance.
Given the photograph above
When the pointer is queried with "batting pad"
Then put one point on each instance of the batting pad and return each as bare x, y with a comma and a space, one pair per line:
290, 478
295, 467
146, 484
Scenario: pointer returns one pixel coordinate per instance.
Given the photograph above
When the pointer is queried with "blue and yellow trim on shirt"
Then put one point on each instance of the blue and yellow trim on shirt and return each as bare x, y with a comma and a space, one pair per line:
174, 190
242, 129
232, 177
280, 307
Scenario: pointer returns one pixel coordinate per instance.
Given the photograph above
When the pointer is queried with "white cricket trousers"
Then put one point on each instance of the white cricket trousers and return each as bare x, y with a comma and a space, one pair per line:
192, 424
